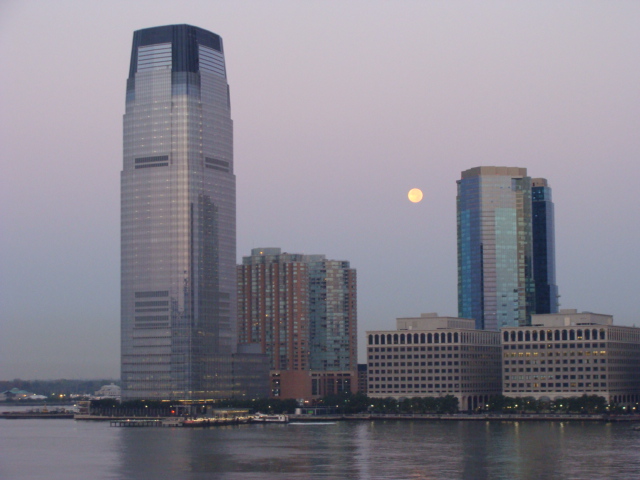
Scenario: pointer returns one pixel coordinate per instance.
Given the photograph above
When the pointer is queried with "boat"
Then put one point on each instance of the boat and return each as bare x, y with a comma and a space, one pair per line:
264, 418
173, 422
198, 422
212, 421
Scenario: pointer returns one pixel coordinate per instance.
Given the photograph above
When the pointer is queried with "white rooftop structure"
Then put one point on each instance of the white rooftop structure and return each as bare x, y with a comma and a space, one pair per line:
431, 321
570, 317
109, 391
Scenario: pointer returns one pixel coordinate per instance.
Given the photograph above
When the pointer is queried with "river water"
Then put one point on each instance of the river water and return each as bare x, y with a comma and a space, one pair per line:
67, 449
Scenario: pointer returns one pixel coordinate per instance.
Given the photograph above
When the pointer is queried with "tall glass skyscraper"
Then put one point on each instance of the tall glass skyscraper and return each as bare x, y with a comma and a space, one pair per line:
495, 254
178, 277
544, 255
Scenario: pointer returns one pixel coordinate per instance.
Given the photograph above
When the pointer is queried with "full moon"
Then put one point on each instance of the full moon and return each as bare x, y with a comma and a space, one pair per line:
415, 195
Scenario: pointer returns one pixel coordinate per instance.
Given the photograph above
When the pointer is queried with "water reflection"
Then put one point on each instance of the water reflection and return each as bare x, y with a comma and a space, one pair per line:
377, 450
351, 450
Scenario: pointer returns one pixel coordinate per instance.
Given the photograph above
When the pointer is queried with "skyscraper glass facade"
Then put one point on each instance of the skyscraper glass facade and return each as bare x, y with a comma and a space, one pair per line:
495, 270
178, 279
332, 315
544, 255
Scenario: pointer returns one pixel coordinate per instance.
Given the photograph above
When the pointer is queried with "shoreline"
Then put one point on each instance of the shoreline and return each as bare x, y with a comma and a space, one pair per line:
420, 417
29, 415
489, 417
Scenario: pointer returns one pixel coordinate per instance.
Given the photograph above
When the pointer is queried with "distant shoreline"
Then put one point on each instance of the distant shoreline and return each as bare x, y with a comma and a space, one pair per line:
31, 415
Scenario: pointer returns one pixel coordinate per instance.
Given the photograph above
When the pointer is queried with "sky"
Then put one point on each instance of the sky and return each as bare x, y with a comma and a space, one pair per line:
339, 109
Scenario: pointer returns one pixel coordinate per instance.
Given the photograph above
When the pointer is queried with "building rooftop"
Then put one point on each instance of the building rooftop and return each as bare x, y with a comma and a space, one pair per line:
571, 317
274, 255
539, 182
431, 321
502, 171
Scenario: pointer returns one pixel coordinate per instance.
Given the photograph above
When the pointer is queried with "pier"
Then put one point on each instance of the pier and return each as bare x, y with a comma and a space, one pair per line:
174, 422
136, 423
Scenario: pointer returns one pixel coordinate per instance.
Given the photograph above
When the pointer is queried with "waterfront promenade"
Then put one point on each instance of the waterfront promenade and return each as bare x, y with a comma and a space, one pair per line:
491, 417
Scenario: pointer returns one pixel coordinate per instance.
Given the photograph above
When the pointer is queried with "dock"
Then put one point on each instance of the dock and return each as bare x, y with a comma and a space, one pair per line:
136, 423
172, 422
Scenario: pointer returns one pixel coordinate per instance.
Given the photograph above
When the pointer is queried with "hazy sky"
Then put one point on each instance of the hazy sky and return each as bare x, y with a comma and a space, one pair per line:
339, 109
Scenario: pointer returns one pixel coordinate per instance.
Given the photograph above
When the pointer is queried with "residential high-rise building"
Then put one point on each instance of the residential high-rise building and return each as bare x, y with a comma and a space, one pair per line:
332, 316
495, 248
273, 306
544, 255
178, 246
302, 311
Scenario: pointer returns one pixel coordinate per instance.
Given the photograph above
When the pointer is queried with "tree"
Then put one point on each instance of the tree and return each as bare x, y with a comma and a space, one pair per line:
501, 404
448, 404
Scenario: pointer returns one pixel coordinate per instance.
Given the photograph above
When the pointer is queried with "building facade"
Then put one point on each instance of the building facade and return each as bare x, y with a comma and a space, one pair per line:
544, 250
250, 373
273, 306
363, 377
570, 354
431, 356
333, 333
302, 312
178, 280
495, 247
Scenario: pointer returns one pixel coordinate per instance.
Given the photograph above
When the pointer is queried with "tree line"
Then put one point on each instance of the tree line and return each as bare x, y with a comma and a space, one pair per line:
586, 404
359, 403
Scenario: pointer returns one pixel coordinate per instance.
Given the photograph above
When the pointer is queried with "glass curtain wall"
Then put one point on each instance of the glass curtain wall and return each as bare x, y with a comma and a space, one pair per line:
332, 316
178, 289
544, 256
495, 283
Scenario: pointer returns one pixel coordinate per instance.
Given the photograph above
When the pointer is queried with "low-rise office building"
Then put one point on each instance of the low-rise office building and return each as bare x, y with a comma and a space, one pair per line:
570, 354
311, 384
431, 356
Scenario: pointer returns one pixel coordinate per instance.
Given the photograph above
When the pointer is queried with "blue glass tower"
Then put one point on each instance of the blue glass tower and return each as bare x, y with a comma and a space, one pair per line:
178, 237
544, 261
495, 269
